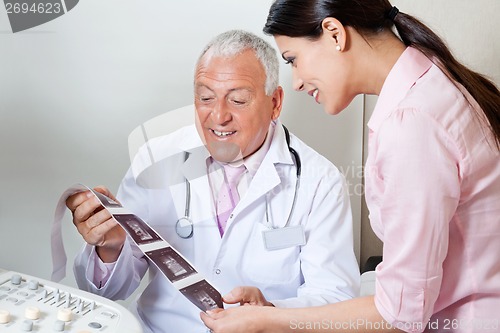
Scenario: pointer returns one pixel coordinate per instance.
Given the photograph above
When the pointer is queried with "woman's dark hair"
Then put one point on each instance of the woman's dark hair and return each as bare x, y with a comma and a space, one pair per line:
303, 18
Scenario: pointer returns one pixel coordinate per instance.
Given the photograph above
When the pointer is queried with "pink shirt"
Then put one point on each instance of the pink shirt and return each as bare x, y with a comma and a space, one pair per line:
433, 192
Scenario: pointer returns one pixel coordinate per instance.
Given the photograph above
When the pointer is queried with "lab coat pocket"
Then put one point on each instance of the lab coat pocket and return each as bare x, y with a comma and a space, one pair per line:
260, 265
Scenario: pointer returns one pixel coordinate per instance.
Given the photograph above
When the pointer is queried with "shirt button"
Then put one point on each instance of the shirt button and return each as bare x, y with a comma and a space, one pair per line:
217, 271
231, 216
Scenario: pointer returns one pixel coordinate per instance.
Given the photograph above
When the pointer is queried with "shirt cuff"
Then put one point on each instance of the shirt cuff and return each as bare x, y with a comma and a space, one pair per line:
102, 271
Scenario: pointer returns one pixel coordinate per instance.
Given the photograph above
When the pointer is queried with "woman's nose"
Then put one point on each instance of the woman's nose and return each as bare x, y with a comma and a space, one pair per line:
298, 84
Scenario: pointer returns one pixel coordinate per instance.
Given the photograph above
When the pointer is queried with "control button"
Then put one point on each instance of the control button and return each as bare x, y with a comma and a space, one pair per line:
217, 271
83, 332
4, 288
33, 285
23, 293
4, 316
27, 326
64, 315
12, 299
95, 325
80, 307
108, 314
15, 279
59, 326
32, 313
92, 305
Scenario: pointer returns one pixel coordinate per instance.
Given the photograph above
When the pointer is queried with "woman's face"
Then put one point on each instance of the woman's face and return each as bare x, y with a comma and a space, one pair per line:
320, 70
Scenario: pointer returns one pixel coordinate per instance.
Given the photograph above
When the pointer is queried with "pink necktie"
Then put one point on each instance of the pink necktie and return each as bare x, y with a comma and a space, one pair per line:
228, 195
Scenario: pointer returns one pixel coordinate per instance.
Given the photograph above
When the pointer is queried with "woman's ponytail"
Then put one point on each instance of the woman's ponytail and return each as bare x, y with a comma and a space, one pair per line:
415, 34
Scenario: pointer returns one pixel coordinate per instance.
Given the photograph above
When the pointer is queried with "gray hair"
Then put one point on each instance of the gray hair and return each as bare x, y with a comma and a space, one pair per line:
234, 42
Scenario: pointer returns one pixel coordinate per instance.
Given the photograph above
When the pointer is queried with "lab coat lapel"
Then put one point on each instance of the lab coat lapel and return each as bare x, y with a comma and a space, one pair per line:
203, 212
267, 176
194, 168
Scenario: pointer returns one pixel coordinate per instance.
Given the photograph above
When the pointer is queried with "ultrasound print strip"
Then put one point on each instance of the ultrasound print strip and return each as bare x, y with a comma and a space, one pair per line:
171, 263
105, 201
203, 295
167, 259
140, 232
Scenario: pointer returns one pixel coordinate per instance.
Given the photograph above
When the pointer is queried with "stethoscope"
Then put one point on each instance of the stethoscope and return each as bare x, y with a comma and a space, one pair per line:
184, 226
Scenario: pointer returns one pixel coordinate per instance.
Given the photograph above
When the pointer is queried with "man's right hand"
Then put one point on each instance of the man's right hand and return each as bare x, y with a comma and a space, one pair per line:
96, 225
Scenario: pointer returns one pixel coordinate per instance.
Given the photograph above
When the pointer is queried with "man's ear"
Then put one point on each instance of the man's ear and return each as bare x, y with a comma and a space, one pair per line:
278, 96
335, 31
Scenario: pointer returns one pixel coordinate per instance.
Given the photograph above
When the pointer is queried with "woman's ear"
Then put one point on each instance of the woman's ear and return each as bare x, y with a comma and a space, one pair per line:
335, 31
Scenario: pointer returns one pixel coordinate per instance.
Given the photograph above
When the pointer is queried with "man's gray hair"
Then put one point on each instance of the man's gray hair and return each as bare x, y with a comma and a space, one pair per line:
234, 42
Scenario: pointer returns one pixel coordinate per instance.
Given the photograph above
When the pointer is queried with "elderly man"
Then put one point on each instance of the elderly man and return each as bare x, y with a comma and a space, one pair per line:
251, 223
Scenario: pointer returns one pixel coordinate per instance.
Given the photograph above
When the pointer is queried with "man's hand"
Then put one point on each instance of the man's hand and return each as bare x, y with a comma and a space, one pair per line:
248, 319
246, 296
96, 225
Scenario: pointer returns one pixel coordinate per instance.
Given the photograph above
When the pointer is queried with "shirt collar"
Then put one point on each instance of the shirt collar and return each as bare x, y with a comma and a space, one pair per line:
411, 65
253, 161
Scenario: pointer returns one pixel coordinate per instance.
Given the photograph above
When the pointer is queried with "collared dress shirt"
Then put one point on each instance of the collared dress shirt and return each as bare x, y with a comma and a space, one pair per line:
433, 192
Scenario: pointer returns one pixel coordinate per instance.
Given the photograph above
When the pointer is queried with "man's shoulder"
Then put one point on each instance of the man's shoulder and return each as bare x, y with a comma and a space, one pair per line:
312, 159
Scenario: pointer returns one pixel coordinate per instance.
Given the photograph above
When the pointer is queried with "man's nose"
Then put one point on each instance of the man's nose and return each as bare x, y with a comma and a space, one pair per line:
221, 113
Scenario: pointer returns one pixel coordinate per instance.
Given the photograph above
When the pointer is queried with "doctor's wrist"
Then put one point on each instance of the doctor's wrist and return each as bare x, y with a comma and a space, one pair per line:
108, 255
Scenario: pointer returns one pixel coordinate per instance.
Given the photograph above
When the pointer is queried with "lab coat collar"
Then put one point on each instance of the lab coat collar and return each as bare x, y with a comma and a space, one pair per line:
411, 65
278, 152
267, 177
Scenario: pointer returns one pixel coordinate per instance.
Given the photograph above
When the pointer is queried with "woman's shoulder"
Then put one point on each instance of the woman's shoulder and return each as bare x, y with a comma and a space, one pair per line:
444, 103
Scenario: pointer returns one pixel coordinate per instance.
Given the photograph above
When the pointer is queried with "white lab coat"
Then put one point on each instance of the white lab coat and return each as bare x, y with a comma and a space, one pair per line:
322, 271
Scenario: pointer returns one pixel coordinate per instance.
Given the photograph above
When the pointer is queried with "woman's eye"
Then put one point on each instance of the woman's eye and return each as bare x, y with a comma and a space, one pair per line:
206, 99
289, 61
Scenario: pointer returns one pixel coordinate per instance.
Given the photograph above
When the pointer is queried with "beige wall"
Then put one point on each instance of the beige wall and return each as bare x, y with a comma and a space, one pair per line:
471, 30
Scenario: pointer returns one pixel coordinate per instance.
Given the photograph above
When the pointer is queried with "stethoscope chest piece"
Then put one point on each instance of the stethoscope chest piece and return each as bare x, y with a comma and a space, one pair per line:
184, 227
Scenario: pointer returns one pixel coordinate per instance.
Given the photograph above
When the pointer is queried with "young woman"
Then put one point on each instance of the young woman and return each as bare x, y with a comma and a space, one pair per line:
432, 174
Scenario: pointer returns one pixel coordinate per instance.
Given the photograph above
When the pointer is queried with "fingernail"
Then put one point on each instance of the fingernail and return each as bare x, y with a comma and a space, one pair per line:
229, 297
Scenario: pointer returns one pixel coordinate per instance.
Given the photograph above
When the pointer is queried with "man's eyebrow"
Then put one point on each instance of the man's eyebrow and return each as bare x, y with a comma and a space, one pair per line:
240, 88
201, 85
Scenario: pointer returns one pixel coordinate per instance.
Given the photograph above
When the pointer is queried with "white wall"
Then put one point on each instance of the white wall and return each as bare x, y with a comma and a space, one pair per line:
73, 89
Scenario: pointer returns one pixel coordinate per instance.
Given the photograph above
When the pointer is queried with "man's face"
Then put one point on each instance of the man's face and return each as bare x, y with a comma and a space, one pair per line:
233, 112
